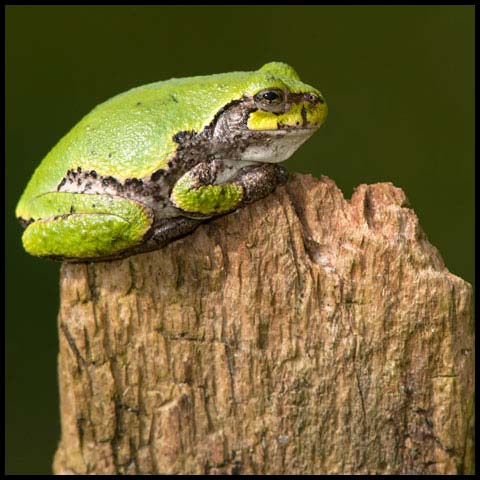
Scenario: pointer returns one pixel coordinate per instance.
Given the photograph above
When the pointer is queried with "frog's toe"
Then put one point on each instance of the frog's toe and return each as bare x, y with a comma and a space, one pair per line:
281, 174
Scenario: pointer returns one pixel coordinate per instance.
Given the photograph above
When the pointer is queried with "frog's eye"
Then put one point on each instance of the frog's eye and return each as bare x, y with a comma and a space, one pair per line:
270, 99
271, 96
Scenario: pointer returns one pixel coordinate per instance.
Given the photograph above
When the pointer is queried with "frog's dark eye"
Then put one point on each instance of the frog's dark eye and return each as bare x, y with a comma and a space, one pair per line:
269, 99
271, 96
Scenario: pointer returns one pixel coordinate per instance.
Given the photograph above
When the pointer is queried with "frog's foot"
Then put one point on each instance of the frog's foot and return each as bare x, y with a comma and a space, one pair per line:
196, 194
259, 181
85, 227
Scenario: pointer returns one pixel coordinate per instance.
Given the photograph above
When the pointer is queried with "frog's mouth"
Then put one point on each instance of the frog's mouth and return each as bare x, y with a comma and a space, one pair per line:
285, 130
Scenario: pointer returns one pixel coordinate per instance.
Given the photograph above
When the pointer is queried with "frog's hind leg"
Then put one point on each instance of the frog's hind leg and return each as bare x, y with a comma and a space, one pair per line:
85, 227
162, 233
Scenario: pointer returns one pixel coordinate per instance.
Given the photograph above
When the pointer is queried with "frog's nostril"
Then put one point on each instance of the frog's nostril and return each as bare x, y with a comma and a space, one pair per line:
314, 98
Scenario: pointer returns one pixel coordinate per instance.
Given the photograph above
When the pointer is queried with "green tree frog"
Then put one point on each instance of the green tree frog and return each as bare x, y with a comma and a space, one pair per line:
150, 164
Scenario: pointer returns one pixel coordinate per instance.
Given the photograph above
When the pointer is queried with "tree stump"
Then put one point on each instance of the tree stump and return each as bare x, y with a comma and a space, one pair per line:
303, 334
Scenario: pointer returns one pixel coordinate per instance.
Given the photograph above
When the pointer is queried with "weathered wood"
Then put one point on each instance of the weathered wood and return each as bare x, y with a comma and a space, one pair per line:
303, 334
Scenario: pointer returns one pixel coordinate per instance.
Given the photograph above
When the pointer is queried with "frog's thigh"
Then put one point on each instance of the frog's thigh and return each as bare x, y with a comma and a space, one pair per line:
205, 199
85, 226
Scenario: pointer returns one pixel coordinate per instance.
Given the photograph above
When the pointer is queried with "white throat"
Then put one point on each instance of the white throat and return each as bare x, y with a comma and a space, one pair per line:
278, 148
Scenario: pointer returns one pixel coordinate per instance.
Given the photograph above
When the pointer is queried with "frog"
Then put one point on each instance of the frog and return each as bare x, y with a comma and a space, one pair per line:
149, 165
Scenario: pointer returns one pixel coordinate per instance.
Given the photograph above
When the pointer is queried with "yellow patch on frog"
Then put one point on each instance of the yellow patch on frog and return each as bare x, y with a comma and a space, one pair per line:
261, 120
316, 115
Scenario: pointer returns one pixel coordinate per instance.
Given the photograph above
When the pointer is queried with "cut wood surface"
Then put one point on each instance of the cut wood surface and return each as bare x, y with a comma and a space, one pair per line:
303, 334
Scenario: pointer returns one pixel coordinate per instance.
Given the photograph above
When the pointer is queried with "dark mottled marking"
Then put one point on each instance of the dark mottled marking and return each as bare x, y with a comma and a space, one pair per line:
79, 169
110, 155
156, 175
138, 104
297, 97
62, 183
135, 185
93, 173
304, 116
133, 182
182, 137
321, 100
111, 181
88, 185
25, 223
228, 106
174, 98
72, 209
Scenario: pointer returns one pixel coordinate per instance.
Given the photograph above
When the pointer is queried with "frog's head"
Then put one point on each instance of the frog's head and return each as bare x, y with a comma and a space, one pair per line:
277, 113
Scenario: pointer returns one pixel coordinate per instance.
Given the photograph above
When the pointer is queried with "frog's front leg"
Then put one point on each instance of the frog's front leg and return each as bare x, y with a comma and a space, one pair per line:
198, 196
260, 180
85, 227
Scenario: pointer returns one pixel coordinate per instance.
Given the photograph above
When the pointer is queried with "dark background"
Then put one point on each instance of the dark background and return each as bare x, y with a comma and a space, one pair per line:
399, 82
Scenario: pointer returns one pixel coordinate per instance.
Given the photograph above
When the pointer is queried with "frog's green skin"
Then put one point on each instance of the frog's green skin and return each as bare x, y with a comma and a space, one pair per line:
148, 165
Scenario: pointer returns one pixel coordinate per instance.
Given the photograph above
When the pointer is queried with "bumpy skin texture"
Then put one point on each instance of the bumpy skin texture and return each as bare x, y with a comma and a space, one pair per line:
146, 166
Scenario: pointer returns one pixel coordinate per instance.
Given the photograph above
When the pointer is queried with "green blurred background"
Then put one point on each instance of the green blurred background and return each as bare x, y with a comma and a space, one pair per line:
399, 82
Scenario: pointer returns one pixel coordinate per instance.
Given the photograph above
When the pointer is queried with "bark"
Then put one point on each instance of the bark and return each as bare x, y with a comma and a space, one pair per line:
304, 334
